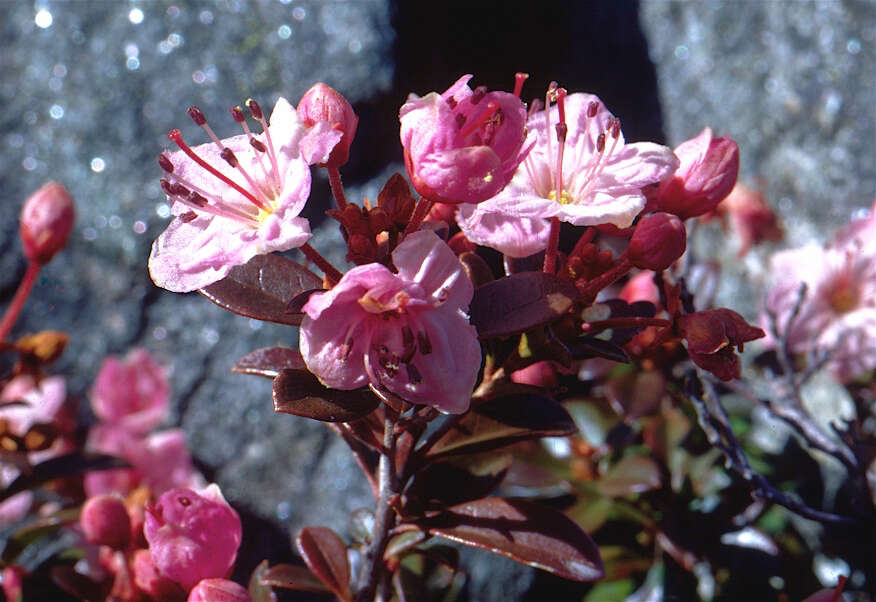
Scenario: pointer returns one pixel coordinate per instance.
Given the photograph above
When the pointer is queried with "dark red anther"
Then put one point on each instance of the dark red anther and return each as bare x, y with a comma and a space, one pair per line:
424, 344
562, 128
407, 337
175, 135
600, 142
452, 102
196, 199
460, 120
478, 94
614, 126
166, 187
228, 156
561, 104
188, 216
519, 78
165, 163
237, 114
414, 375
256, 144
592, 109
197, 116
179, 190
254, 109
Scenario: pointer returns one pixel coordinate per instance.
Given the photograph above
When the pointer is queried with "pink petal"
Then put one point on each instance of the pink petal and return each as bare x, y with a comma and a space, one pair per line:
424, 258
511, 236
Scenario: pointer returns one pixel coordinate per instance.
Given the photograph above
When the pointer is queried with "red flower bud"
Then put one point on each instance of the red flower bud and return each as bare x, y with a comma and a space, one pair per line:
323, 103
707, 174
105, 522
659, 239
13, 587
713, 335
218, 590
46, 221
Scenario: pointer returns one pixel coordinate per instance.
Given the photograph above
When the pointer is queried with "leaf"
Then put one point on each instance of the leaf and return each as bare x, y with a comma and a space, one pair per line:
299, 392
325, 554
524, 531
587, 347
502, 421
269, 361
259, 590
58, 467
445, 483
633, 474
262, 288
289, 576
519, 302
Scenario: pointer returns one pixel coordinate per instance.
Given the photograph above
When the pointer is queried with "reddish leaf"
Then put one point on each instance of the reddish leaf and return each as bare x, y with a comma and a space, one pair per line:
299, 392
262, 288
289, 576
446, 483
633, 474
527, 532
325, 554
502, 421
269, 361
259, 590
519, 302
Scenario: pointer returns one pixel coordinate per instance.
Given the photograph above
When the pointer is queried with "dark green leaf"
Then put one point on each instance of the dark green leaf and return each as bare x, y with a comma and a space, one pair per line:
299, 392
527, 532
325, 554
519, 302
58, 467
262, 288
269, 361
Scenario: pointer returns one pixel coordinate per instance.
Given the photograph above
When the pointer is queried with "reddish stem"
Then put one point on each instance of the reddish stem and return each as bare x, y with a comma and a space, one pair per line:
21, 295
550, 254
591, 289
841, 583
631, 322
424, 206
337, 188
331, 273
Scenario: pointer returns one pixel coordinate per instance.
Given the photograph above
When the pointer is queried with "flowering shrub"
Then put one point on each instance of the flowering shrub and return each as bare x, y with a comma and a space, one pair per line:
568, 409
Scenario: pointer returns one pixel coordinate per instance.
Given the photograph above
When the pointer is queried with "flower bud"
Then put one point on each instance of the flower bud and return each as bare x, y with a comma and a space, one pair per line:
323, 103
46, 221
192, 537
13, 586
659, 239
151, 582
539, 374
218, 590
105, 522
706, 175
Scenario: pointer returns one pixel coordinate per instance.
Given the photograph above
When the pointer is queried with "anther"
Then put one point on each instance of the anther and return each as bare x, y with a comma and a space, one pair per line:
519, 78
452, 102
492, 107
460, 120
407, 337
414, 375
600, 142
423, 343
165, 163
196, 115
254, 109
256, 144
562, 128
478, 94
196, 199
615, 127
228, 156
237, 114
592, 109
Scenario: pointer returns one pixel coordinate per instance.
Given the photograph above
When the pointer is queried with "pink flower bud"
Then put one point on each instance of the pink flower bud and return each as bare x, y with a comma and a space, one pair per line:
218, 590
46, 220
191, 536
706, 175
105, 522
640, 287
323, 103
539, 374
659, 239
131, 393
151, 582
13, 576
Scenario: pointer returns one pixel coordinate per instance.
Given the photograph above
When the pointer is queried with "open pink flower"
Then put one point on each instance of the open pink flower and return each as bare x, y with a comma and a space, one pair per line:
131, 393
407, 332
193, 536
601, 178
838, 313
236, 198
462, 146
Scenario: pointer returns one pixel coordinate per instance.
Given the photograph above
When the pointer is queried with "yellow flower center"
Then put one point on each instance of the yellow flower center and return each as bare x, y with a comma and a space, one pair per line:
843, 299
565, 198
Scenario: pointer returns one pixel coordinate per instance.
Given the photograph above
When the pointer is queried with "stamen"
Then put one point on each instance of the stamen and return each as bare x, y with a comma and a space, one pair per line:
460, 120
414, 375
478, 94
600, 142
269, 187
176, 136
549, 97
195, 200
423, 343
562, 128
519, 78
256, 112
165, 163
534, 107
592, 109
452, 102
492, 107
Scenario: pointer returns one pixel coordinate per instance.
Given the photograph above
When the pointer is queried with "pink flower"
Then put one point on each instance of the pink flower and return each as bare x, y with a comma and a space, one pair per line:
512, 236
706, 175
218, 590
838, 313
405, 331
601, 179
192, 536
131, 393
236, 198
462, 146
40, 404
324, 103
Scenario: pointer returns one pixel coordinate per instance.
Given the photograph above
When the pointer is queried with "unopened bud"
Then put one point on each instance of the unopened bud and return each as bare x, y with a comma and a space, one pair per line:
105, 522
218, 590
323, 103
46, 221
659, 239
706, 175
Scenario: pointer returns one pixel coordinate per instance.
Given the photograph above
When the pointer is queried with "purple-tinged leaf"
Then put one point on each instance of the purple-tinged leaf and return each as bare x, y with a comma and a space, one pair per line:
503, 421
299, 392
325, 554
519, 302
451, 482
259, 589
269, 361
289, 576
588, 347
527, 532
262, 288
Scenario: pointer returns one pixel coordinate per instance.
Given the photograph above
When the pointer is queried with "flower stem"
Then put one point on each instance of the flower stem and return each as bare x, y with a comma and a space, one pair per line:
424, 206
630, 322
21, 295
331, 273
337, 188
589, 290
550, 254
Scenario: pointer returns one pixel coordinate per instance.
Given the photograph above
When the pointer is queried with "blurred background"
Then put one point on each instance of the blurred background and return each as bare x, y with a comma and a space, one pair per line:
90, 89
